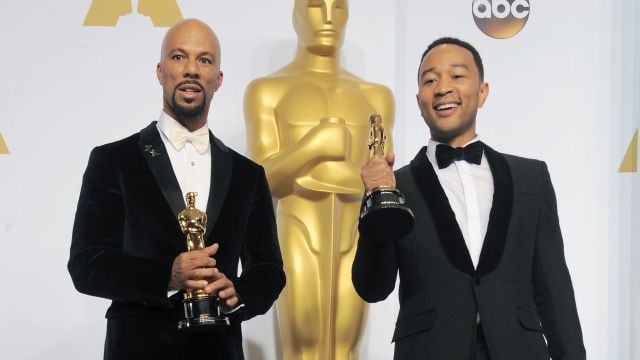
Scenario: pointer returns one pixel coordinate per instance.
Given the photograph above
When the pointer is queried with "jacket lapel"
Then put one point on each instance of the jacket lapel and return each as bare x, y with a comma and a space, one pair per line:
449, 233
156, 156
500, 215
221, 165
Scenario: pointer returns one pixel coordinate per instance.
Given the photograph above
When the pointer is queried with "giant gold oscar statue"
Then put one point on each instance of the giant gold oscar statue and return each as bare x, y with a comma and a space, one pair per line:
308, 125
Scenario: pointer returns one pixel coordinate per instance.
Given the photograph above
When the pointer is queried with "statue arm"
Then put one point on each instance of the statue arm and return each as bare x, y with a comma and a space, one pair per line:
284, 162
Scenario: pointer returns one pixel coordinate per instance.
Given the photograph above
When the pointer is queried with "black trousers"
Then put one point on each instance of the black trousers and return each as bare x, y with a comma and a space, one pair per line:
481, 351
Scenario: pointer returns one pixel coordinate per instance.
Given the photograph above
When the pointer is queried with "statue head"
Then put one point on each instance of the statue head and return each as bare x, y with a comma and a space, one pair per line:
320, 24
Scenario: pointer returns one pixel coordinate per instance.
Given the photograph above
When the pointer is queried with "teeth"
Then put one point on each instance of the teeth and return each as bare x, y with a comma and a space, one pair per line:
446, 106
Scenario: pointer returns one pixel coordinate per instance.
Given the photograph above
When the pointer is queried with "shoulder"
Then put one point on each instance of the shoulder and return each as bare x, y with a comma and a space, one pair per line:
240, 161
403, 171
118, 147
266, 91
523, 164
276, 81
527, 174
370, 89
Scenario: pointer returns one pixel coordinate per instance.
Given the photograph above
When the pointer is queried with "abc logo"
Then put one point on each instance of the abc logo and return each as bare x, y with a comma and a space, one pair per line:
500, 19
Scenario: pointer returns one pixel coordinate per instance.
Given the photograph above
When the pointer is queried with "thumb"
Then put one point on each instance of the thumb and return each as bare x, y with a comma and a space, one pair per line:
212, 249
391, 158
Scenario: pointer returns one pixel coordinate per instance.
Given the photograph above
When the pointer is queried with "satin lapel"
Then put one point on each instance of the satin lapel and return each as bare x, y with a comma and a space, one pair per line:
500, 215
221, 164
158, 160
444, 219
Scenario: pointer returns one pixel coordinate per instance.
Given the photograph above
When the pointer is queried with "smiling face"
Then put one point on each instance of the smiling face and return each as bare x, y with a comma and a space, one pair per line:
189, 72
450, 93
320, 24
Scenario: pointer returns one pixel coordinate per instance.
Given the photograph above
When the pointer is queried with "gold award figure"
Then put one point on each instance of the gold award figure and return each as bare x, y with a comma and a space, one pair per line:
307, 124
384, 210
201, 310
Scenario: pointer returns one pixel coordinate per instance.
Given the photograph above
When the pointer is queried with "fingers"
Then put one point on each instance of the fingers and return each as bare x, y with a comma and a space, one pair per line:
221, 286
192, 269
377, 172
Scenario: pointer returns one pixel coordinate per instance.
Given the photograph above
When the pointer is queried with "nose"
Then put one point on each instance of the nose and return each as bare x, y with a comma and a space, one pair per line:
191, 69
444, 87
328, 11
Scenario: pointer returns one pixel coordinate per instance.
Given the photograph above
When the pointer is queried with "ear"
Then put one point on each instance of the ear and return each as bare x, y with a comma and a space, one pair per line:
159, 73
484, 92
219, 80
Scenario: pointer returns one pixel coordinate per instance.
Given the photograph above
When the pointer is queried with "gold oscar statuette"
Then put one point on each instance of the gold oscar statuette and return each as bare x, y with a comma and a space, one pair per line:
384, 210
306, 125
201, 310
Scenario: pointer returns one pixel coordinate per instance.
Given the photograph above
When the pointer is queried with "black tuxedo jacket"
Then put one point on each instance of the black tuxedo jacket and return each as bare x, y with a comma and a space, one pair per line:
126, 236
521, 287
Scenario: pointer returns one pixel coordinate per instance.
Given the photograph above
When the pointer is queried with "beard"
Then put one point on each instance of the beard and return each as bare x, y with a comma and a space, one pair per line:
192, 110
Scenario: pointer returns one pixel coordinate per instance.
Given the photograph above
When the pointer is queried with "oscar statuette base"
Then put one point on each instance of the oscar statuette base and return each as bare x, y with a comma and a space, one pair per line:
201, 314
385, 215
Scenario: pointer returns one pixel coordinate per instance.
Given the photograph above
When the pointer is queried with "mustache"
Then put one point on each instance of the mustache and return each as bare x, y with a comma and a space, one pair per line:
189, 82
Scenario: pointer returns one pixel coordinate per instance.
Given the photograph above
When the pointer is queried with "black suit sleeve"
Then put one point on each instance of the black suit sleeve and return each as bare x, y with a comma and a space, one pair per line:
262, 277
553, 291
375, 267
97, 264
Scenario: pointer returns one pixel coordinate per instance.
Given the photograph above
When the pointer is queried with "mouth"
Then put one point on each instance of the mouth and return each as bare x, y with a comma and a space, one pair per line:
446, 109
189, 89
326, 32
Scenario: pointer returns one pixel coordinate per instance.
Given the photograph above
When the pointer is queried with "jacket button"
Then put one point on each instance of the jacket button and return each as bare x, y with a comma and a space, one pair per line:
477, 281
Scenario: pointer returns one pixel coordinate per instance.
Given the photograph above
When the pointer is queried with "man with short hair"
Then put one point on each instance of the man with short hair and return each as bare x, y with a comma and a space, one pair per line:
127, 244
482, 273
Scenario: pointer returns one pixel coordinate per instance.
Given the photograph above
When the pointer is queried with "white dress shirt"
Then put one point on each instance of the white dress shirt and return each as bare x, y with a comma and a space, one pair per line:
192, 169
469, 189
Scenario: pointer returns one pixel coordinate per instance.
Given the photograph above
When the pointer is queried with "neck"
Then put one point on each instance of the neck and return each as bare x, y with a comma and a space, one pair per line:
458, 141
192, 124
317, 63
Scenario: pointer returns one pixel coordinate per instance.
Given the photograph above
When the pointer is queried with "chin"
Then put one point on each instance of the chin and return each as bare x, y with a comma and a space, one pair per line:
323, 49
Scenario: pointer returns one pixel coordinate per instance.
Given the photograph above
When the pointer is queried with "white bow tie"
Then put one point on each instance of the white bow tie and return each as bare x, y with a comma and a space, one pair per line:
178, 135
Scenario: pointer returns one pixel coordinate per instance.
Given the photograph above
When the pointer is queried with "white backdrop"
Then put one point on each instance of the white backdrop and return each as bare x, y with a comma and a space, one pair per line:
566, 89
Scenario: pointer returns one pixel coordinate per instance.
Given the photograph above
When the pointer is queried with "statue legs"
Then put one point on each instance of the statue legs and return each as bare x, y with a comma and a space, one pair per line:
320, 315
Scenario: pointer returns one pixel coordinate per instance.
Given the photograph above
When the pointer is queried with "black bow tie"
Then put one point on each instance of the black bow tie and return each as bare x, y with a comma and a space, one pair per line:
446, 155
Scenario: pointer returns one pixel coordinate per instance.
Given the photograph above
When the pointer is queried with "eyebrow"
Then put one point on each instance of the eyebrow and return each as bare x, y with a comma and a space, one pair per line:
203, 53
465, 66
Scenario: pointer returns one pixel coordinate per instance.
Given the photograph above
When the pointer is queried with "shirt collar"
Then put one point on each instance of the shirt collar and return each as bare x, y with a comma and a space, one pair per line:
166, 123
431, 148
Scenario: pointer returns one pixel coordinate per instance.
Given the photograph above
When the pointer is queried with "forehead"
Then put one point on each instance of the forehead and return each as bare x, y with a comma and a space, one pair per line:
192, 37
301, 4
448, 55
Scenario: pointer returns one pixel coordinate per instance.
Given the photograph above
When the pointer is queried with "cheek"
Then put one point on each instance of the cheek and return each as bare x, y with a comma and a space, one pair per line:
423, 103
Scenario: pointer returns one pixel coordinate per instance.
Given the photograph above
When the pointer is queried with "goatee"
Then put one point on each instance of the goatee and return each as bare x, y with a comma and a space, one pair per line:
188, 112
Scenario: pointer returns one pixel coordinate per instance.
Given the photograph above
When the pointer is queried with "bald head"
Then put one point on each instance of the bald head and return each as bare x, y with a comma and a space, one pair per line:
187, 28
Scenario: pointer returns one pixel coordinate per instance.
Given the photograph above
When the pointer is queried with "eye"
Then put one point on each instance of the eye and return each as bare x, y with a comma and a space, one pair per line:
177, 57
340, 5
315, 3
428, 81
206, 60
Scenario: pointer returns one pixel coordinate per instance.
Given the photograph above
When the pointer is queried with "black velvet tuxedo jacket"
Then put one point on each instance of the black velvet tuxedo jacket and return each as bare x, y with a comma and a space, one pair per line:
521, 287
126, 236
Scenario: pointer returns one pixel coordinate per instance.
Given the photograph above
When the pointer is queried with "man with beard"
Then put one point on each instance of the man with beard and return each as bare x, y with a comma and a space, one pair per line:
127, 244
